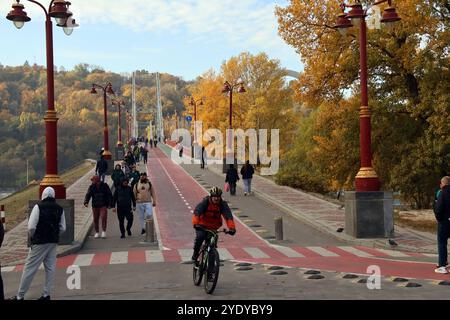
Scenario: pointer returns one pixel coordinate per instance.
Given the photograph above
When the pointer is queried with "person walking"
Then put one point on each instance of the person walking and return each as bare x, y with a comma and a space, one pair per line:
145, 199
180, 148
134, 176
442, 213
155, 141
101, 201
2, 235
101, 168
124, 198
204, 156
247, 173
151, 143
45, 225
232, 178
136, 153
117, 176
144, 153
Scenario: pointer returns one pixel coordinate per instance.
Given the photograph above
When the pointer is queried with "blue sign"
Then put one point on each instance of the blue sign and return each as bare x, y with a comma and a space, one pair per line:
188, 118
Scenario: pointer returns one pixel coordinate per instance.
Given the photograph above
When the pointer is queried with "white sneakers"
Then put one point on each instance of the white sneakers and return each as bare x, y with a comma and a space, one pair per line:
442, 270
103, 235
96, 236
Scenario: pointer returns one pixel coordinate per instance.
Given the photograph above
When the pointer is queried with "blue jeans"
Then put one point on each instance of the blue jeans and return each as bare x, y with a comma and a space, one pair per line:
443, 234
247, 185
145, 211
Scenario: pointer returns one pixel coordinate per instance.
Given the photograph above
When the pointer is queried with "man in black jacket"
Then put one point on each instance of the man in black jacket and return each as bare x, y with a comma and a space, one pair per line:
124, 198
46, 223
101, 168
442, 213
231, 178
101, 201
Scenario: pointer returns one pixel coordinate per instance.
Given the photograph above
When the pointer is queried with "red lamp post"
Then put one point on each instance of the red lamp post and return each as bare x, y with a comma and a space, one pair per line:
58, 9
194, 103
229, 88
106, 90
119, 103
366, 179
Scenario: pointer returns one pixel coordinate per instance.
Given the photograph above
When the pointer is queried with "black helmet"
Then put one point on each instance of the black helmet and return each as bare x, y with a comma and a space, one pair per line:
215, 192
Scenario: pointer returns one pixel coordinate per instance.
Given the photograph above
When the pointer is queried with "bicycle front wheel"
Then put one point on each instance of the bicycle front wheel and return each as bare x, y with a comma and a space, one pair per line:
212, 271
198, 269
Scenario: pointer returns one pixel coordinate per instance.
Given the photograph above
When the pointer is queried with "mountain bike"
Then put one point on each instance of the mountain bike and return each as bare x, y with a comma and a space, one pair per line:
208, 262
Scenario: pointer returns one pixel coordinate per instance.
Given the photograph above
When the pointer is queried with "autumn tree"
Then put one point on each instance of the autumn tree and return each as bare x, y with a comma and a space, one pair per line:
409, 75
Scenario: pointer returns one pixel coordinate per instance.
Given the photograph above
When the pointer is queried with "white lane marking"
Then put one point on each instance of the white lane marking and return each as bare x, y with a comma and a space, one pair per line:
185, 254
83, 260
356, 252
430, 255
323, 252
256, 253
154, 256
288, 252
8, 269
225, 254
119, 257
393, 253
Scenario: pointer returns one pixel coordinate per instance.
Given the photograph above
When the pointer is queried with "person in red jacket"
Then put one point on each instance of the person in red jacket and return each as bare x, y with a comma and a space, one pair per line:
208, 215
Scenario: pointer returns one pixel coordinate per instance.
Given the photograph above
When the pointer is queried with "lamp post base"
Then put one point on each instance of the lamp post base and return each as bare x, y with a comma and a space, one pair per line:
107, 155
369, 214
56, 183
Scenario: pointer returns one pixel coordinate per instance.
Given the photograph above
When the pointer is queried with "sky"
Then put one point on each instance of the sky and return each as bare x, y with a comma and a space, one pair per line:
181, 37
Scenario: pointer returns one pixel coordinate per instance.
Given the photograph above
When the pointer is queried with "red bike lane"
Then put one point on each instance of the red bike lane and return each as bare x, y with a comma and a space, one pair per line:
177, 195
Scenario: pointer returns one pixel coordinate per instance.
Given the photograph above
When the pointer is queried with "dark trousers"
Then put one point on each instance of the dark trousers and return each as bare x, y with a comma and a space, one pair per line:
232, 188
122, 214
443, 234
200, 237
145, 159
202, 166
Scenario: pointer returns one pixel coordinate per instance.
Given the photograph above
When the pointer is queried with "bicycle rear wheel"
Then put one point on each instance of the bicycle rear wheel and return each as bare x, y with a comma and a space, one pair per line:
212, 271
198, 269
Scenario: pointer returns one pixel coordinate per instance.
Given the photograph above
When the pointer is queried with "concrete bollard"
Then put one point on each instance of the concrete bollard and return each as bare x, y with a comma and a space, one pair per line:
279, 228
150, 231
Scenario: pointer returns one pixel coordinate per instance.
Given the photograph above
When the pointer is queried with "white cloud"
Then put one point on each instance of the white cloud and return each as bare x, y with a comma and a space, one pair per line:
247, 21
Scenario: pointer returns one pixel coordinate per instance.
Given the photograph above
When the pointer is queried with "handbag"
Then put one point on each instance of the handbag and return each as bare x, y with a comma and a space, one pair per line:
226, 187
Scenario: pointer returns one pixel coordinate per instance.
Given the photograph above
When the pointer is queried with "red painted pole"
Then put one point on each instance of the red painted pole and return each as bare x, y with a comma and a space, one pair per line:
106, 154
366, 179
51, 178
119, 143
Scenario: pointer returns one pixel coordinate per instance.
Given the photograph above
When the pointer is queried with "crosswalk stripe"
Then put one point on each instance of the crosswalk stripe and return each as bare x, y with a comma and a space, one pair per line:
356, 252
393, 253
225, 254
8, 269
119, 257
185, 254
154, 256
256, 253
322, 251
288, 252
83, 260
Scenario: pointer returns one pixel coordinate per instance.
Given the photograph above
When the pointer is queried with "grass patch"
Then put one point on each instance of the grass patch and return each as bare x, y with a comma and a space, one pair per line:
405, 220
16, 205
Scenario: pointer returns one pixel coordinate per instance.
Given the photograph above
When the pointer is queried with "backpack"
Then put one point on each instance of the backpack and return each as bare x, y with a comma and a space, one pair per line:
136, 184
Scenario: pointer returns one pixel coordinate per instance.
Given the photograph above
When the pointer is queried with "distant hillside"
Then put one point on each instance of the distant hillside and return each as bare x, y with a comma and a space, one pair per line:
23, 103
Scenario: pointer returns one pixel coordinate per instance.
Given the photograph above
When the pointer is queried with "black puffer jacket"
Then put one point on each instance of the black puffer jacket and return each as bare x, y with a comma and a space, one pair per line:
101, 195
124, 197
442, 207
232, 175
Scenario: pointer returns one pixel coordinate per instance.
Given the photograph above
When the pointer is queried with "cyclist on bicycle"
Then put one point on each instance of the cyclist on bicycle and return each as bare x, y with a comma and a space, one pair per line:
208, 215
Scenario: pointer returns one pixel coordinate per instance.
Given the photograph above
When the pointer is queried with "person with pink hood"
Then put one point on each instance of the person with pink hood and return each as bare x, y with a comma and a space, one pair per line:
101, 200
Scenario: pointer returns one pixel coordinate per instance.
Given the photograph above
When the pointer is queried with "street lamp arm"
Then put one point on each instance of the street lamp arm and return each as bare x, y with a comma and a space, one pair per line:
43, 8
98, 86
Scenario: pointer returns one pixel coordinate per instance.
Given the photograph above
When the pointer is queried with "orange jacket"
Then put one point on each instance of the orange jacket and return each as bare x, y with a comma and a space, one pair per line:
210, 215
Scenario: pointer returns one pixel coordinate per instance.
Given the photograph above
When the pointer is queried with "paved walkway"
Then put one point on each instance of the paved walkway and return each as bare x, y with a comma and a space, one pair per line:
326, 216
14, 249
